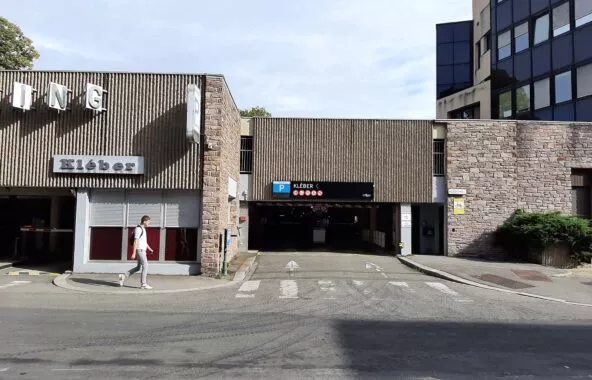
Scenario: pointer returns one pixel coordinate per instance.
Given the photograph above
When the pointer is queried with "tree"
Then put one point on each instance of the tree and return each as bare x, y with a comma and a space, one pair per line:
255, 112
16, 50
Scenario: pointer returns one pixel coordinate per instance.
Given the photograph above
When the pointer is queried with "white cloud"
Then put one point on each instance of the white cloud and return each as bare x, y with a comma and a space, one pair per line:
330, 58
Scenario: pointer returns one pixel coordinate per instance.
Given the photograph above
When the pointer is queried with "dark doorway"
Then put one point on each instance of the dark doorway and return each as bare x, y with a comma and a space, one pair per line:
36, 232
335, 227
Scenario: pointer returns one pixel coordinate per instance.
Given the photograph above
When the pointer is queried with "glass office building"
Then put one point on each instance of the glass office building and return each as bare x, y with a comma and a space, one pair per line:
540, 58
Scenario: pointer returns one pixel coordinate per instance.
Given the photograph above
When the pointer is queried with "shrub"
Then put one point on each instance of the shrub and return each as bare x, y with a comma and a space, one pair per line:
526, 233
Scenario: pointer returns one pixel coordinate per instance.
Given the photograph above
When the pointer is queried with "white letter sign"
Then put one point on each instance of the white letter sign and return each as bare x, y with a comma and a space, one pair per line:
193, 113
22, 96
94, 97
58, 96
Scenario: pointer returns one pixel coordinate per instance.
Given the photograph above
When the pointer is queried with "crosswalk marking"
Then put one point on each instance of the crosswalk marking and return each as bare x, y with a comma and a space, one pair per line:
250, 286
288, 289
14, 283
441, 287
247, 288
333, 289
327, 285
399, 284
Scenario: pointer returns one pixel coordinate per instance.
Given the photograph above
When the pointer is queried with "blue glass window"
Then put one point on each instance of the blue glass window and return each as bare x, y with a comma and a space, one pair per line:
523, 99
542, 93
521, 37
583, 12
541, 29
504, 43
584, 110
561, 19
563, 87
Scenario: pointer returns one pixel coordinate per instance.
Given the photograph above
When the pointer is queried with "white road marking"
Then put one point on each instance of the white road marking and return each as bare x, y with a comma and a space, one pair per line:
399, 284
464, 300
70, 369
288, 289
442, 288
3, 369
14, 283
250, 286
243, 295
358, 283
383, 274
327, 285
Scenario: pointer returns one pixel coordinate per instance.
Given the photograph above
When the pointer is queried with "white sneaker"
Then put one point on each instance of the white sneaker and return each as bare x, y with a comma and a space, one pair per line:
121, 279
146, 286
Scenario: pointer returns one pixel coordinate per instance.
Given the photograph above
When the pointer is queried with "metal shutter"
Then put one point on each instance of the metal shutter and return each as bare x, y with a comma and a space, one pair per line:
182, 209
106, 208
144, 203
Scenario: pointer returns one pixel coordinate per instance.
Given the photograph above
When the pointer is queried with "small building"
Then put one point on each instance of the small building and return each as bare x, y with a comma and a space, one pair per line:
83, 155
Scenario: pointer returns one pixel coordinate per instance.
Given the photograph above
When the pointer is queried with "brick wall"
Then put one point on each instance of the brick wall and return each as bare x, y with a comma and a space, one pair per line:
221, 161
507, 165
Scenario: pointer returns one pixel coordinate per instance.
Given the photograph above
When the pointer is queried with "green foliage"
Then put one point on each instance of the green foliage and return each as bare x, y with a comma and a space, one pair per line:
16, 51
255, 112
527, 232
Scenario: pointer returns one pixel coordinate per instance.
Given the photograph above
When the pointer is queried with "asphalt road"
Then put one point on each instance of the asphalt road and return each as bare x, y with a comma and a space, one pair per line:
331, 317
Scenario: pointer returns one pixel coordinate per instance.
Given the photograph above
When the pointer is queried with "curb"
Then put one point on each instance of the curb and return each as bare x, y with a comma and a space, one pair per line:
32, 273
447, 276
244, 269
4, 266
61, 281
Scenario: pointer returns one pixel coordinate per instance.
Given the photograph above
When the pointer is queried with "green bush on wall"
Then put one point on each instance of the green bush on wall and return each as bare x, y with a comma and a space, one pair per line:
526, 233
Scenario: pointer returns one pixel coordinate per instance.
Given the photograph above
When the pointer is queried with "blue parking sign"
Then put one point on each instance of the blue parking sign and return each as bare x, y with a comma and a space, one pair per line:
281, 187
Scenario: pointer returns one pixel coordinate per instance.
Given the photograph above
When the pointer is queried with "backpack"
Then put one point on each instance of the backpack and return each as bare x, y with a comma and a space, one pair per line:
131, 238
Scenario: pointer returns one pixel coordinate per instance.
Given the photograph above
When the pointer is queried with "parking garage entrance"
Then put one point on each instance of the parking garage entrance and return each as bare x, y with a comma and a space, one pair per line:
37, 227
321, 226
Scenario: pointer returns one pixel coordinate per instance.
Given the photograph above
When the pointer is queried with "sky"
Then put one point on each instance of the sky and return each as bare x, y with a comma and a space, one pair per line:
303, 58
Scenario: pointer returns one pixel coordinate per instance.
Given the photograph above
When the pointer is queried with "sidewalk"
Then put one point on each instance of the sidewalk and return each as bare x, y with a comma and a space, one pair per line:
109, 283
560, 285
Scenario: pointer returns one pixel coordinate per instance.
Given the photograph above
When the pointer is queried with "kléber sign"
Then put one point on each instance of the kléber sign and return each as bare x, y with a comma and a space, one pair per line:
76, 164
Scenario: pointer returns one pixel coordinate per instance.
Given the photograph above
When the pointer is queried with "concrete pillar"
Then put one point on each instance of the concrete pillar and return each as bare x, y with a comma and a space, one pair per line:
406, 228
82, 230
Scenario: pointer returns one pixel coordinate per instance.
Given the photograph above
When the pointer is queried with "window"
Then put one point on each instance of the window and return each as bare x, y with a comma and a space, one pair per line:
246, 155
521, 37
583, 12
561, 19
542, 94
505, 105
584, 81
439, 158
541, 29
504, 43
523, 99
563, 87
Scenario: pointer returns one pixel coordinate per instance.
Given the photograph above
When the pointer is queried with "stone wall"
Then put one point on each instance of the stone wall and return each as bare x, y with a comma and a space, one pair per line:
505, 166
221, 161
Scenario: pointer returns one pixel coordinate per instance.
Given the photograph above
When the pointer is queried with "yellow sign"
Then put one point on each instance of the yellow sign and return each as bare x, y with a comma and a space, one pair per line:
459, 206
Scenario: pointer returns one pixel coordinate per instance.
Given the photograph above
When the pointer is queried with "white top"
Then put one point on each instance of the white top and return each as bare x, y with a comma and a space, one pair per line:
140, 236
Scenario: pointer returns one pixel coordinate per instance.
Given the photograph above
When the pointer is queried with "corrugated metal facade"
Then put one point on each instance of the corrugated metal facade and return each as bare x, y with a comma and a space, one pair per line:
394, 154
146, 116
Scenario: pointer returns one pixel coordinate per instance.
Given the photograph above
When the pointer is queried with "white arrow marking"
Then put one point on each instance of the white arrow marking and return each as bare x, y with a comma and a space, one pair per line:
358, 283
441, 287
288, 289
372, 265
292, 265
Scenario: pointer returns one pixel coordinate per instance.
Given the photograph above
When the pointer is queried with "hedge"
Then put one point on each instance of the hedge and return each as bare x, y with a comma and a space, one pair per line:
528, 232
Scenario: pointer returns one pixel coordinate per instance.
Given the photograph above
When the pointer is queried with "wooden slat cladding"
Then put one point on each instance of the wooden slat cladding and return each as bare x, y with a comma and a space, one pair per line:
394, 154
146, 116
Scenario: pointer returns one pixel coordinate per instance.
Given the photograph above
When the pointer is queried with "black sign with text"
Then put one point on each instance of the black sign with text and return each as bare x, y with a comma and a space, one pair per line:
347, 191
